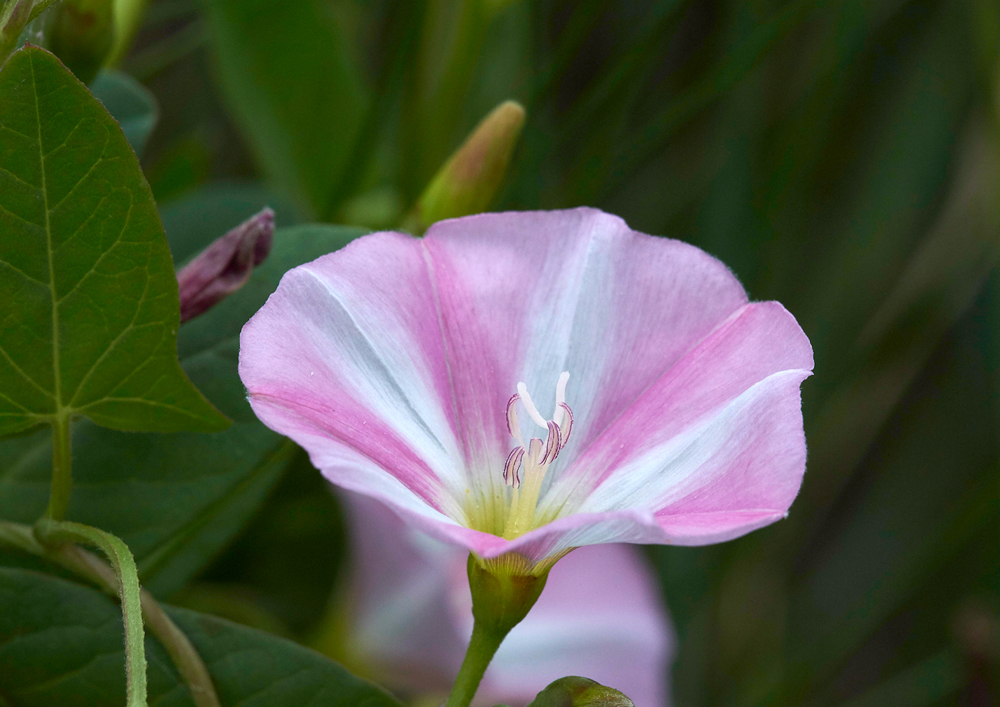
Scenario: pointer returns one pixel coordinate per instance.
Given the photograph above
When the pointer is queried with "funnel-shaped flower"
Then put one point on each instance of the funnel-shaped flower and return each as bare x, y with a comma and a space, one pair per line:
406, 368
410, 617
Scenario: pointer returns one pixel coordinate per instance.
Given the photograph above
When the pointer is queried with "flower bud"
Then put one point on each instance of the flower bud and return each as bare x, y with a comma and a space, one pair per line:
472, 176
580, 692
225, 266
14, 15
81, 33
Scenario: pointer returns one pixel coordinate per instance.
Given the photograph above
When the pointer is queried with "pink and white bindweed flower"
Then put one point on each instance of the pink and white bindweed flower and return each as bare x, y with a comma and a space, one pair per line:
410, 617
521, 384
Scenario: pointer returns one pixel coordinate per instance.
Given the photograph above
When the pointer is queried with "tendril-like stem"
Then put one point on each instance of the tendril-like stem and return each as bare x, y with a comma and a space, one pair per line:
91, 567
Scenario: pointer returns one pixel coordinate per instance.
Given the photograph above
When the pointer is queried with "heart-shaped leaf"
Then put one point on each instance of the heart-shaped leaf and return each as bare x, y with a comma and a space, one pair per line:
60, 644
176, 499
90, 298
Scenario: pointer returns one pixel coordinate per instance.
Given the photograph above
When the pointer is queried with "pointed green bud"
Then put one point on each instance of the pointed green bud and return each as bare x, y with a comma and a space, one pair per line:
128, 18
580, 692
81, 33
472, 176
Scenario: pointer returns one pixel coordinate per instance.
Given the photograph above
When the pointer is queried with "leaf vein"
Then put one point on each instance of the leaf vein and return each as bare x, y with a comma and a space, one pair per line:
80, 181
23, 273
23, 374
18, 177
113, 344
19, 217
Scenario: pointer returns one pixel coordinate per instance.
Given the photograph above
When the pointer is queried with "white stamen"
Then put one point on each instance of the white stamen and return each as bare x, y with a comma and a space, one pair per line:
557, 416
529, 406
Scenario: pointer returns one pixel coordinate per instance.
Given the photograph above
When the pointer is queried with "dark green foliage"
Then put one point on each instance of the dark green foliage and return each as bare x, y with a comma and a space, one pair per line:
176, 499
60, 644
286, 74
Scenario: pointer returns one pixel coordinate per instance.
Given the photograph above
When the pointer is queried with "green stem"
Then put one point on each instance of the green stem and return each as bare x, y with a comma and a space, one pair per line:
482, 647
52, 532
62, 465
91, 567
503, 591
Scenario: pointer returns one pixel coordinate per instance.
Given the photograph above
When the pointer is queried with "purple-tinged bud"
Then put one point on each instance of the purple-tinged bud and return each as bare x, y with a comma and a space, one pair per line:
580, 692
225, 266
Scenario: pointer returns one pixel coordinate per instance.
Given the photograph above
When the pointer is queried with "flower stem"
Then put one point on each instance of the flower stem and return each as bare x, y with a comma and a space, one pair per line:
482, 647
62, 464
503, 592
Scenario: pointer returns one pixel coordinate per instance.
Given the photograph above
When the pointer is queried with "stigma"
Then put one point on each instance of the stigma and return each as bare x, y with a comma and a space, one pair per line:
527, 464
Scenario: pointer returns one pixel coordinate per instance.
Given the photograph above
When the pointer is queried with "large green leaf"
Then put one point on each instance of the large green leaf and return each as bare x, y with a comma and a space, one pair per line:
285, 72
60, 644
90, 299
176, 499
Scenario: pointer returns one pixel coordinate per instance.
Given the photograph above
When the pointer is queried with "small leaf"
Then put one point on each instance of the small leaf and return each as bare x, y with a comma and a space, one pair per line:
60, 644
90, 297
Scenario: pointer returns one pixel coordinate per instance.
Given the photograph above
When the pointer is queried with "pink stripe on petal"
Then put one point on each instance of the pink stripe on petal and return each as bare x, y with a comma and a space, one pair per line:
355, 353
505, 286
755, 342
318, 425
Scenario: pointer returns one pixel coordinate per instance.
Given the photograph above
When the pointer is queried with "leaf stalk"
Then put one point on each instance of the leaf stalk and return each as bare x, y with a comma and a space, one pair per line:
62, 468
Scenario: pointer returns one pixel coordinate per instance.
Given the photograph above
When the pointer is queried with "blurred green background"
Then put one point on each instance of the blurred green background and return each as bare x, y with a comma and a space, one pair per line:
841, 156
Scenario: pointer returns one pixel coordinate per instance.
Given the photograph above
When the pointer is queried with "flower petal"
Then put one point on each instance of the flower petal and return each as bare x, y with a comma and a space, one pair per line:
526, 296
720, 434
392, 361
346, 358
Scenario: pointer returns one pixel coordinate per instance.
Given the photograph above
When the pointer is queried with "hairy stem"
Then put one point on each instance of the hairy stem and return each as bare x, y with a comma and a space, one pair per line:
91, 567
57, 533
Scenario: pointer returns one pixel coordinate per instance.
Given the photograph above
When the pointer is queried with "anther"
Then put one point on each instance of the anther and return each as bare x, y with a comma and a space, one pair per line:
552, 445
567, 427
511, 468
512, 427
